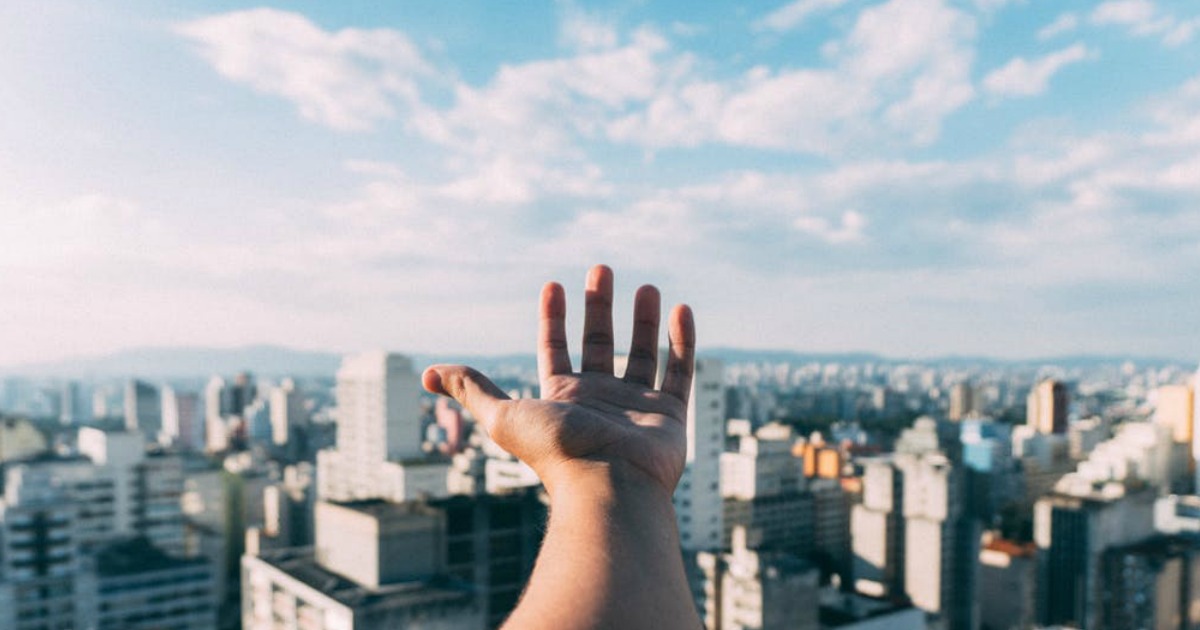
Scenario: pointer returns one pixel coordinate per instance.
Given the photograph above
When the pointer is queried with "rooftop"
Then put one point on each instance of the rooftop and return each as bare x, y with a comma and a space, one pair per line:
298, 563
138, 555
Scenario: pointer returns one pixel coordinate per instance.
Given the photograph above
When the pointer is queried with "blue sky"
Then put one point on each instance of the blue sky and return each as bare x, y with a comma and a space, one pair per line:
913, 177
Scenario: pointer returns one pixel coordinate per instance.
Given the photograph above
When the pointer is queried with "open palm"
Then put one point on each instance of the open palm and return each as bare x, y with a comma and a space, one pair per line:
591, 418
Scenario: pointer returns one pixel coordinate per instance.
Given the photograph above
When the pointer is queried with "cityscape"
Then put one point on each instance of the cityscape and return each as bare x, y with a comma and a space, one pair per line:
939, 259
849, 493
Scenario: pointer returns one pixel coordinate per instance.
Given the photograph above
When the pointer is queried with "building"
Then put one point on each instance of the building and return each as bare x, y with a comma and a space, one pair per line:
915, 500
831, 529
1007, 583
942, 540
962, 401
492, 542
1152, 584
288, 415
1046, 407
454, 563
698, 507
1073, 528
877, 531
183, 420
1175, 409
143, 409
20, 439
133, 585
763, 489
146, 487
759, 590
840, 610
39, 554
378, 453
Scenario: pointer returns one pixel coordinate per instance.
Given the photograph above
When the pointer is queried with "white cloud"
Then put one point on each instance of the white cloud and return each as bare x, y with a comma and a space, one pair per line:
1064, 23
1144, 18
989, 6
1024, 77
348, 80
794, 14
901, 70
848, 230
581, 31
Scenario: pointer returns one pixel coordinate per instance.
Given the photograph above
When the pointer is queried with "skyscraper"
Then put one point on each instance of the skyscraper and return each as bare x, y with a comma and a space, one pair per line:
962, 401
1176, 405
1072, 531
287, 412
143, 409
378, 453
1046, 407
698, 496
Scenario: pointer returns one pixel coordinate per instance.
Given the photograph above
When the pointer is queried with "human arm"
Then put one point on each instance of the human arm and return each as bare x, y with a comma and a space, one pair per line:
609, 451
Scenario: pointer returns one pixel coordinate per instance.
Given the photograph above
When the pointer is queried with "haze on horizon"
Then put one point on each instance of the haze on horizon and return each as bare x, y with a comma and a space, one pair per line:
909, 177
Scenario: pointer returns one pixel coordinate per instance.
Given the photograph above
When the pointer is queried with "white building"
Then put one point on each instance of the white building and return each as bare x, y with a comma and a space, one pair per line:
374, 567
755, 590
287, 412
912, 535
378, 453
698, 495
146, 488
39, 557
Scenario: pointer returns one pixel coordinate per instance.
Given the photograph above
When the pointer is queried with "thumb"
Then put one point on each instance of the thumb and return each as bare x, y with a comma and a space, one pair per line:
470, 388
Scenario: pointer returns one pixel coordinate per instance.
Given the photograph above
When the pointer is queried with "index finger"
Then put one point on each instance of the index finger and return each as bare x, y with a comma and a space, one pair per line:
552, 355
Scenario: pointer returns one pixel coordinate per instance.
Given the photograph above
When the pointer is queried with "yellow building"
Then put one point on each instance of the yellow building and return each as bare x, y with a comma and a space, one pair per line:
19, 438
1175, 409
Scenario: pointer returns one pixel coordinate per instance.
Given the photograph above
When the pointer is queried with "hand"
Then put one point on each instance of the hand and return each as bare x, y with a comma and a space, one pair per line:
591, 422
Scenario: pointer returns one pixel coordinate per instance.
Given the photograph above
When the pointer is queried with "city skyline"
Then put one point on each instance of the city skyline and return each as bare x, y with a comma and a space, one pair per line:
983, 177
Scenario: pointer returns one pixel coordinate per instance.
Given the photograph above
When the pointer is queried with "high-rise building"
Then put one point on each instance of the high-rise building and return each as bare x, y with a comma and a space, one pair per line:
877, 531
1046, 407
1007, 583
759, 590
1152, 584
72, 407
447, 564
763, 489
1072, 529
143, 409
698, 496
962, 401
39, 555
146, 487
288, 415
1175, 408
378, 453
182, 419
942, 540
912, 534
133, 585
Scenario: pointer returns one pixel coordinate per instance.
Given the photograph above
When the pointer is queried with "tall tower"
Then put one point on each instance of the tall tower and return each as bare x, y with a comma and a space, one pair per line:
143, 409
1046, 407
1176, 405
962, 401
378, 434
698, 496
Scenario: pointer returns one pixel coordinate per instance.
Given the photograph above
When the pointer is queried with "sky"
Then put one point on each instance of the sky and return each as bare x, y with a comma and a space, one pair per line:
1012, 178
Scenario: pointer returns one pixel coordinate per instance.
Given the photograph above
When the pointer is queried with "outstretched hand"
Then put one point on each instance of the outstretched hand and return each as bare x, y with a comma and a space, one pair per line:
591, 421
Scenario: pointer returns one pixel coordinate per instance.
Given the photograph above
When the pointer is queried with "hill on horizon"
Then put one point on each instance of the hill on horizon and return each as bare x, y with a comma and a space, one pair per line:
270, 360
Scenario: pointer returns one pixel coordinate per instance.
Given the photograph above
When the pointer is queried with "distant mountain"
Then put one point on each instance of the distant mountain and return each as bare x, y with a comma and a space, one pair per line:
267, 360
188, 362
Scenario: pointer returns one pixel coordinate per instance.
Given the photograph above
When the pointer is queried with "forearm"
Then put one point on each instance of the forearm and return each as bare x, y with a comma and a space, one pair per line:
610, 560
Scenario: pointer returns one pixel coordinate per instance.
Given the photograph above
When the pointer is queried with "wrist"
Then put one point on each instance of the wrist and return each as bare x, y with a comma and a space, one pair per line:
603, 482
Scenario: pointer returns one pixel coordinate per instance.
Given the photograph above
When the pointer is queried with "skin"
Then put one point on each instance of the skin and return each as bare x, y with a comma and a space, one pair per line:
610, 451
